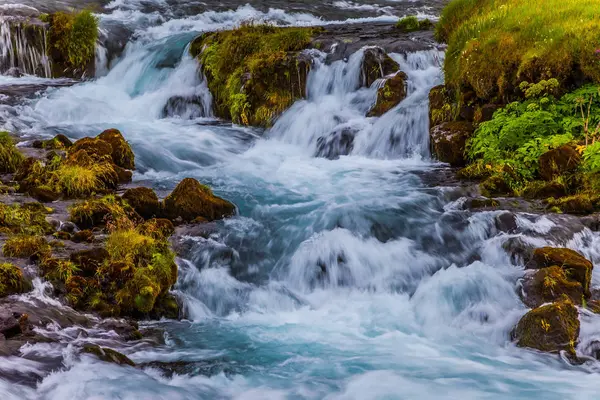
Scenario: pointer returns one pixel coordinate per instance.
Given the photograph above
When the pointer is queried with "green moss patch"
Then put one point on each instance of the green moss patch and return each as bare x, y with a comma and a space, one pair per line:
413, 24
10, 158
254, 72
12, 280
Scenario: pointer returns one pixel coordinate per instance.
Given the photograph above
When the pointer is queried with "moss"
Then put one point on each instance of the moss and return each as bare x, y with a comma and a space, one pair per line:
157, 228
97, 149
191, 200
576, 266
144, 201
550, 328
109, 210
107, 355
496, 185
254, 71
72, 41
476, 171
412, 24
10, 158
543, 190
57, 270
389, 95
59, 142
121, 153
12, 280
581, 204
494, 45
24, 219
551, 284
26, 246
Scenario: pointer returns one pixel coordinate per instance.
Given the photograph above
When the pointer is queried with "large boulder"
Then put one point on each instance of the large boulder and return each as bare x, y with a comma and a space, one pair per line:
575, 266
559, 161
448, 141
551, 328
550, 284
121, 153
377, 65
192, 201
390, 94
144, 201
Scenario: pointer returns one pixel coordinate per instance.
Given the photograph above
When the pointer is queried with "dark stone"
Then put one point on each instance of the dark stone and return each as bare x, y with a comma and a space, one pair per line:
558, 162
448, 142
13, 324
338, 143
389, 95
44, 195
107, 355
89, 260
85, 236
548, 285
506, 222
377, 65
576, 266
191, 200
188, 107
144, 201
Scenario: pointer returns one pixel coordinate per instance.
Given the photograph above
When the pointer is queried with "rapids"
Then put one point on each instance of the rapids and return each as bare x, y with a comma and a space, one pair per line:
346, 274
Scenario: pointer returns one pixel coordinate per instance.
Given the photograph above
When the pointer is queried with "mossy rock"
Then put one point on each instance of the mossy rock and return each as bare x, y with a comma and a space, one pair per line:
122, 155
496, 186
449, 140
95, 148
59, 142
10, 157
412, 24
89, 261
191, 200
544, 190
84, 236
580, 204
107, 355
157, 228
98, 212
441, 106
45, 195
476, 171
28, 218
559, 161
576, 266
550, 328
26, 246
12, 280
377, 65
482, 203
389, 95
551, 284
166, 307
144, 201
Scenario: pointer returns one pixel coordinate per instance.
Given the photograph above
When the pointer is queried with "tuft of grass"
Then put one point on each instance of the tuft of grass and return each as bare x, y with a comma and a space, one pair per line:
72, 39
108, 211
26, 246
24, 219
494, 45
412, 24
10, 157
11, 280
250, 71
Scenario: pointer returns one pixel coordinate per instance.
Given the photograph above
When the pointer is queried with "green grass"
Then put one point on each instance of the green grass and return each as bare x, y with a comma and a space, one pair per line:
10, 157
72, 39
412, 24
494, 45
249, 71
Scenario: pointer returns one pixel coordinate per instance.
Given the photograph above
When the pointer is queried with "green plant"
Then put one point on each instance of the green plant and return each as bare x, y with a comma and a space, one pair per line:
411, 24
10, 157
73, 38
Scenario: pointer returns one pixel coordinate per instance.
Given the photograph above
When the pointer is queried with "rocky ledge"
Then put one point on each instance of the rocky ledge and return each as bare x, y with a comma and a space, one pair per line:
64, 225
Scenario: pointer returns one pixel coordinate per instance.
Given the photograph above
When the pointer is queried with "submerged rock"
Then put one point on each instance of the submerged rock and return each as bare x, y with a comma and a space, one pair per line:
448, 142
389, 95
575, 266
107, 355
550, 328
191, 200
338, 143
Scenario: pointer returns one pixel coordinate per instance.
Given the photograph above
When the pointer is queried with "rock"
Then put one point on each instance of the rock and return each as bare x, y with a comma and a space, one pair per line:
448, 142
544, 190
96, 149
581, 204
336, 144
158, 228
185, 107
520, 251
44, 195
85, 236
389, 95
144, 201
123, 175
166, 307
67, 226
486, 113
496, 186
122, 155
12, 280
440, 106
559, 161
191, 200
550, 284
60, 235
592, 222
376, 65
506, 222
107, 355
550, 328
128, 330
576, 266
90, 260
13, 324
481, 203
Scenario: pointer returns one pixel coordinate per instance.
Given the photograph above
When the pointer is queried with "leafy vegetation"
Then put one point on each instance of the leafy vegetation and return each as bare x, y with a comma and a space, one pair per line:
10, 157
72, 39
11, 280
253, 71
413, 24
494, 45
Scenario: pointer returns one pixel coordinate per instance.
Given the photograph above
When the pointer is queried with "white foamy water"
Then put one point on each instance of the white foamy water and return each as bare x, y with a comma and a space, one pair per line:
340, 279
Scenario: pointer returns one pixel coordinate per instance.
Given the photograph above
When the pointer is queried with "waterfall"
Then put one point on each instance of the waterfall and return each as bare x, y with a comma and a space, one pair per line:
332, 120
23, 48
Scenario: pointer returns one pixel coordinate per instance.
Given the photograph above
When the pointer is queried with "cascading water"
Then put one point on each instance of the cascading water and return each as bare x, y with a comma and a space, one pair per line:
23, 48
345, 275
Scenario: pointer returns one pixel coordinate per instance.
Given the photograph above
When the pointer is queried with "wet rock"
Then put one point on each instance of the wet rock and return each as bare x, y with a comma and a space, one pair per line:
481, 203
121, 153
338, 143
550, 284
440, 106
559, 161
496, 186
581, 204
187, 107
506, 222
89, 260
128, 330
448, 142
12, 280
13, 324
44, 195
144, 201
592, 222
107, 355
67, 226
520, 251
389, 95
191, 200
166, 307
550, 328
576, 266
544, 190
376, 65
94, 148
85, 236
